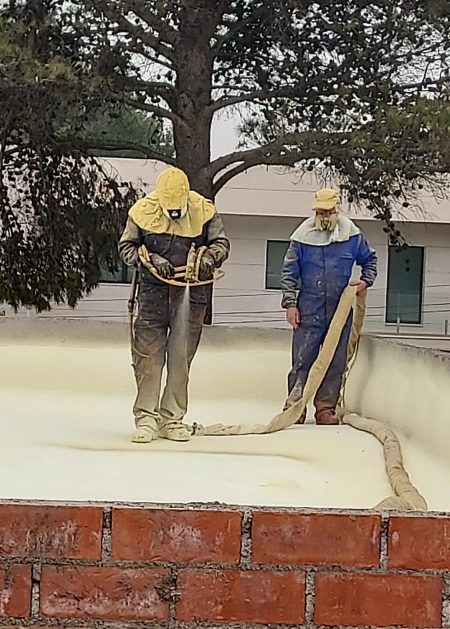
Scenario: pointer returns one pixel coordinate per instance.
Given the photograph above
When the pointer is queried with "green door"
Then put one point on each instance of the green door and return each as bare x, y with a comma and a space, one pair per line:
404, 295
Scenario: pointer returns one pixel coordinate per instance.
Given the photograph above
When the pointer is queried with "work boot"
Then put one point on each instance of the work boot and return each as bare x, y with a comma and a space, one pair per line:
144, 434
326, 417
146, 429
175, 431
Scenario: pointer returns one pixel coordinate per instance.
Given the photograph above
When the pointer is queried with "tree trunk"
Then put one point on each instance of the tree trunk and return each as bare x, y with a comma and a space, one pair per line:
194, 62
192, 134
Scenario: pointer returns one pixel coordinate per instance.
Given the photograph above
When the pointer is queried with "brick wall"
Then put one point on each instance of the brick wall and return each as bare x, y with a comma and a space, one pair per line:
110, 567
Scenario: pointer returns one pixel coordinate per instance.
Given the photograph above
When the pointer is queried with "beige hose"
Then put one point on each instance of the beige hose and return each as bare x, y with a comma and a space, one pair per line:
315, 377
406, 495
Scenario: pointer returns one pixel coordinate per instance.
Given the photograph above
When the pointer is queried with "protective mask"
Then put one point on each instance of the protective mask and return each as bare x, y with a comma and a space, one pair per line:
175, 215
326, 222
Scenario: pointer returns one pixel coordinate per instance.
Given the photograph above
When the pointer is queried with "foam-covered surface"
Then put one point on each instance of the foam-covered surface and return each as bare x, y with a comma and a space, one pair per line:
66, 423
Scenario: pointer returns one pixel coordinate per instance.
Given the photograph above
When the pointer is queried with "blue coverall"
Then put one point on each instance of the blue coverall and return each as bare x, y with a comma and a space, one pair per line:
312, 279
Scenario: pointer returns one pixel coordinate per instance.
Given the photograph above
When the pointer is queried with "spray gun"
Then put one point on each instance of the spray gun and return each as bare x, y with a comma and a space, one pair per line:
191, 263
188, 275
194, 261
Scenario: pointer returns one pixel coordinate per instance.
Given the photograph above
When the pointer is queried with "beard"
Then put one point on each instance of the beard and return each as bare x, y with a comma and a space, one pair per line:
326, 222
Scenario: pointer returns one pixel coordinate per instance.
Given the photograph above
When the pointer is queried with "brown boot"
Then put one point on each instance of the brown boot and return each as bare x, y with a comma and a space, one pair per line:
326, 417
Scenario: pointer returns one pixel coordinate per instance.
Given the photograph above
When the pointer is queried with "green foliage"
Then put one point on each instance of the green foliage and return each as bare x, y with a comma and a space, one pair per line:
119, 124
61, 214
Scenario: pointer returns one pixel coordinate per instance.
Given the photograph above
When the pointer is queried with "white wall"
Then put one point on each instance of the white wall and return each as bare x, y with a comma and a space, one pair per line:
241, 297
277, 191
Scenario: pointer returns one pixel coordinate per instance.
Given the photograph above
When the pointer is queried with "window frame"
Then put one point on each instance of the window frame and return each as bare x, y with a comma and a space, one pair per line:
419, 322
123, 273
266, 268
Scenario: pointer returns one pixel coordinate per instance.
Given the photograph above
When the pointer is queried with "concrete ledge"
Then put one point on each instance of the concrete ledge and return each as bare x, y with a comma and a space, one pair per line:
83, 332
407, 386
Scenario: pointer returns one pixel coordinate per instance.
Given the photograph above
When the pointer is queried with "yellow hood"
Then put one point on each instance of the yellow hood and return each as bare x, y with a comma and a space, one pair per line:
172, 189
148, 214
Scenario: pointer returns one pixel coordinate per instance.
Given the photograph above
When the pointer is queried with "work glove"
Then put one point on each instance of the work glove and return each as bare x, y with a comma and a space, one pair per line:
207, 267
162, 266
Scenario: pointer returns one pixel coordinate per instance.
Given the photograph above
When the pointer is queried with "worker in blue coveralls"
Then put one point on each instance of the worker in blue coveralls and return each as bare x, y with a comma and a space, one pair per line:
317, 267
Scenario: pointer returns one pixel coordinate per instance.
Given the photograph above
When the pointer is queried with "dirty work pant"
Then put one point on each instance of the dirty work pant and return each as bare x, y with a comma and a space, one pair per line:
306, 343
167, 332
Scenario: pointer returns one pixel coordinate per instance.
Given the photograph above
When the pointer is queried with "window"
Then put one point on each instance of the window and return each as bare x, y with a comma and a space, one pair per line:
122, 276
404, 285
276, 250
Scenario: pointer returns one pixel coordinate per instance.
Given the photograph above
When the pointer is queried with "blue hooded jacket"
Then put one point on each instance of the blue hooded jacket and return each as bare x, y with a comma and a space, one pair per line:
318, 266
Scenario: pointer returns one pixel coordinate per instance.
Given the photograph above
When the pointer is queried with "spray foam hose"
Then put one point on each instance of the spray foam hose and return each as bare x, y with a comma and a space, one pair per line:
407, 496
174, 282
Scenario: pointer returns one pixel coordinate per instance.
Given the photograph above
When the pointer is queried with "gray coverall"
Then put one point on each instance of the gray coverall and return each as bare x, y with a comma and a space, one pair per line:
163, 335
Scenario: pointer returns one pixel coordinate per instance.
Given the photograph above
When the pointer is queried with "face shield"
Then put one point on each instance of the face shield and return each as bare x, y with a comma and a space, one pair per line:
172, 189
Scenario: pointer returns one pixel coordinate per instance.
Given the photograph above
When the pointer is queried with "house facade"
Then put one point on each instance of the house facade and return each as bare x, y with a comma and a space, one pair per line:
261, 208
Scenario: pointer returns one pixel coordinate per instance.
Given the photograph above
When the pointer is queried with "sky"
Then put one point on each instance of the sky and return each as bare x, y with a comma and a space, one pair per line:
224, 135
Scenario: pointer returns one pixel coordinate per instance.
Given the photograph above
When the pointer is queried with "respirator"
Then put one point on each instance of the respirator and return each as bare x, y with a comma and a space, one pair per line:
325, 205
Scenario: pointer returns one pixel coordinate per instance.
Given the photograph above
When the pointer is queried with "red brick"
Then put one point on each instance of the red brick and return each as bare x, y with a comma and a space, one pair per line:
50, 532
419, 543
323, 539
378, 600
176, 536
15, 591
241, 596
103, 593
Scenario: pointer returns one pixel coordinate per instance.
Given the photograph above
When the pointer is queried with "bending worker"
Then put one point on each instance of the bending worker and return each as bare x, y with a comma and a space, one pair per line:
317, 267
168, 221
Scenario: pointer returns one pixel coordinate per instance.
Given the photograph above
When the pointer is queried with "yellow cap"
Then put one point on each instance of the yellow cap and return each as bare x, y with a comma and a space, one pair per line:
172, 188
326, 199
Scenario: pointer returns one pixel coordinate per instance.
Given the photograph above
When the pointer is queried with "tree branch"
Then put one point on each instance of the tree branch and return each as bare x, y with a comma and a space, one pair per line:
9, 151
112, 145
229, 101
258, 153
426, 82
164, 90
236, 28
140, 50
160, 112
290, 159
123, 25
160, 88
295, 92
275, 153
228, 175
162, 27
112, 13
244, 160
